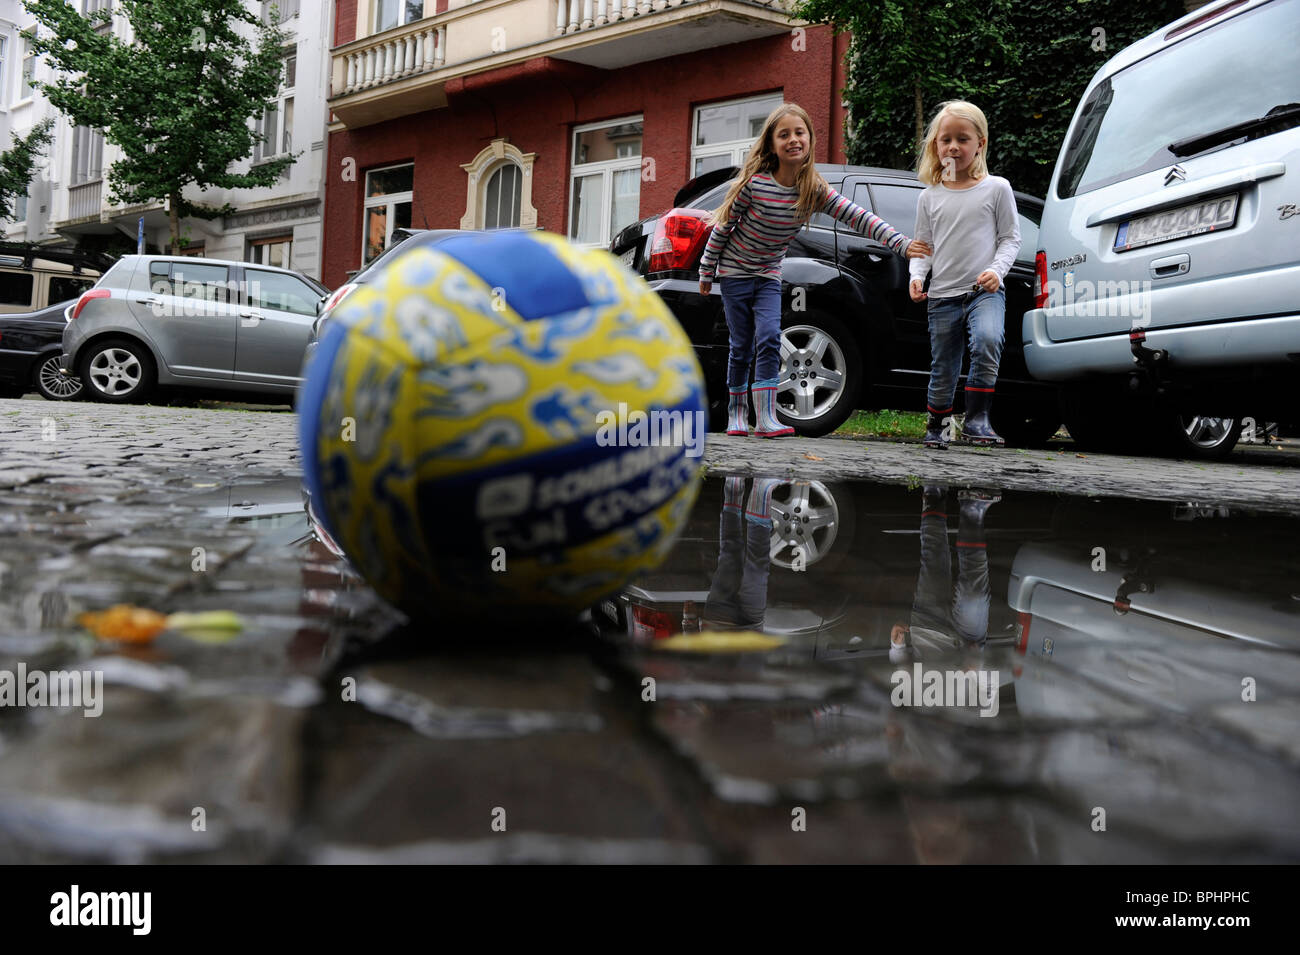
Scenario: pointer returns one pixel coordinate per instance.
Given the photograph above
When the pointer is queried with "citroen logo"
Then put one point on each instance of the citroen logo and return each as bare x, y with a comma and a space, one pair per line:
1175, 173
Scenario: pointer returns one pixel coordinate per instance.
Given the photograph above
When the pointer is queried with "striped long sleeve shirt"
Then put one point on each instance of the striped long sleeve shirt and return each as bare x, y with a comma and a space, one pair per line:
753, 240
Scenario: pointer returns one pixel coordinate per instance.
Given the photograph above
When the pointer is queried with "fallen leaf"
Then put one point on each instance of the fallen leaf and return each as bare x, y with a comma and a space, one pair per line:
712, 641
812, 457
124, 622
1080, 455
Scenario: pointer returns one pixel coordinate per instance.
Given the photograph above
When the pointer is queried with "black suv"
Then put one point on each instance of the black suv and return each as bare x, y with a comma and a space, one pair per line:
851, 336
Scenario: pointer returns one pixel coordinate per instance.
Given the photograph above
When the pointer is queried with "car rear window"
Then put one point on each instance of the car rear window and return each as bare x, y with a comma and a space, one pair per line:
1236, 71
16, 288
63, 288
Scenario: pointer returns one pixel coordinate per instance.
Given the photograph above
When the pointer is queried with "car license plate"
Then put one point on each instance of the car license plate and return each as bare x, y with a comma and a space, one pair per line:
1208, 215
628, 257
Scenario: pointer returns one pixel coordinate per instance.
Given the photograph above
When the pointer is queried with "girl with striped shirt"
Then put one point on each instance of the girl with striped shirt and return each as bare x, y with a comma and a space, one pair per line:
777, 191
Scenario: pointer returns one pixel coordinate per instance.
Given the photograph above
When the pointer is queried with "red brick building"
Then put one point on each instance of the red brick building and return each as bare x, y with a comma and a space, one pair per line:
576, 116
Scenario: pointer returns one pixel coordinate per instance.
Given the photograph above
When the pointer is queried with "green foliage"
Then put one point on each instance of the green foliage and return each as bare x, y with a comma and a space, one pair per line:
18, 163
177, 101
1024, 62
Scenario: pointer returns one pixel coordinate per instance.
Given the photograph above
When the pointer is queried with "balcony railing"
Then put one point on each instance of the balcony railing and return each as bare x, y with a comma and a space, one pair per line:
574, 15
84, 200
419, 49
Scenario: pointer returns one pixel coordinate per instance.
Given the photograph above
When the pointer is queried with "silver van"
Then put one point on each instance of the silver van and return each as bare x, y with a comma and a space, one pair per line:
178, 321
1168, 265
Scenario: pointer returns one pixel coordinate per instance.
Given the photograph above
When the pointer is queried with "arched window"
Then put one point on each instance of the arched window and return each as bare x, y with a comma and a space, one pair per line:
502, 198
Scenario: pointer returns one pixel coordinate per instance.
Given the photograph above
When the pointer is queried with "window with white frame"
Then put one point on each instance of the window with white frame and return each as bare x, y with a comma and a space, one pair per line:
389, 194
724, 132
605, 180
29, 69
4, 62
502, 197
87, 155
276, 125
395, 13
20, 208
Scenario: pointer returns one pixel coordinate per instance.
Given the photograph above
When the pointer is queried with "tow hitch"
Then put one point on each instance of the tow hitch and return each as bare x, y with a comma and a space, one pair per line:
1153, 361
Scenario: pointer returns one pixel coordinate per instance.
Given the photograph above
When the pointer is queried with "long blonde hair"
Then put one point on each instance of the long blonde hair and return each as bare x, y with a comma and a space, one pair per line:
762, 158
929, 168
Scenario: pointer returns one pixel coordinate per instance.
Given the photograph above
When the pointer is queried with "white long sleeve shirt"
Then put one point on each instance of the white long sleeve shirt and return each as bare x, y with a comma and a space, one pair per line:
971, 230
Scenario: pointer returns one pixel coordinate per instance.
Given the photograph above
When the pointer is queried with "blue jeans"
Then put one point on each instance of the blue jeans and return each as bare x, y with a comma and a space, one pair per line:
753, 309
985, 314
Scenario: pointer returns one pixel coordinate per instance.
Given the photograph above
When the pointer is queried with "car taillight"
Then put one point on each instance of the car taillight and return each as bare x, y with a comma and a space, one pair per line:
337, 296
86, 297
1040, 280
679, 239
648, 624
1023, 620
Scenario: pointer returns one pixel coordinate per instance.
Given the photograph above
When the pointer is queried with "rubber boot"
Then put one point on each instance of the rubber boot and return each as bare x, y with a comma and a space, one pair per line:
759, 506
768, 426
737, 412
936, 431
976, 429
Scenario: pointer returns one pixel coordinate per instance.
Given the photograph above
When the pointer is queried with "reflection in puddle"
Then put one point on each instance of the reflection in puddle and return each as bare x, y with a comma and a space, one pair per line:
1073, 654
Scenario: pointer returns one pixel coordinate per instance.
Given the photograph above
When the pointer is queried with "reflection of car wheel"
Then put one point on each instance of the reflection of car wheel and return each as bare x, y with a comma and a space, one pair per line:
810, 525
821, 373
1201, 438
1025, 426
52, 384
117, 370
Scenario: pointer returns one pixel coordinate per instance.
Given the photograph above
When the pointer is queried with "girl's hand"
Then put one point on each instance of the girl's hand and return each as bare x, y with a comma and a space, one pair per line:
988, 280
705, 285
917, 249
916, 290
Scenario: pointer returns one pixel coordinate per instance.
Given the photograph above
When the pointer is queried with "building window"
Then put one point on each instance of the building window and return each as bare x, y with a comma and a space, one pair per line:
288, 9
725, 131
4, 61
272, 251
394, 13
276, 125
29, 69
502, 197
499, 189
605, 180
389, 193
87, 155
20, 208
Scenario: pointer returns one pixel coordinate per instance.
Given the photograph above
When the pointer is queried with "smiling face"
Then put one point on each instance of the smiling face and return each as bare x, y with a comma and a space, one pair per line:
790, 140
957, 144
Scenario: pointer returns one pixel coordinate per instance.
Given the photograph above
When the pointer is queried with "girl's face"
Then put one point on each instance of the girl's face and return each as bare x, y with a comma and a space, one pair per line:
790, 140
957, 145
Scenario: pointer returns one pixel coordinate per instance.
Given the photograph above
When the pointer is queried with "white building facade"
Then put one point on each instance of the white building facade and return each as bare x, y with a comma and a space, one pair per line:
68, 200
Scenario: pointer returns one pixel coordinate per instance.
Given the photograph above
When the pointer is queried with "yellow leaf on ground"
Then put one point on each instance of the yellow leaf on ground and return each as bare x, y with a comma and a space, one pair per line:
713, 641
812, 457
124, 622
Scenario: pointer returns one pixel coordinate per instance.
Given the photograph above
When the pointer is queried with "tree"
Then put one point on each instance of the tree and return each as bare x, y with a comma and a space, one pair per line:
1024, 62
17, 164
177, 101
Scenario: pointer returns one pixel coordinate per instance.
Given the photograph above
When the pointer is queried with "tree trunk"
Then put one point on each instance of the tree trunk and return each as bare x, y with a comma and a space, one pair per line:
174, 217
920, 117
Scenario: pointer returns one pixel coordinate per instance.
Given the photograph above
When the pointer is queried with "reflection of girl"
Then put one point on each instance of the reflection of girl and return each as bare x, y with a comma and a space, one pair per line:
738, 595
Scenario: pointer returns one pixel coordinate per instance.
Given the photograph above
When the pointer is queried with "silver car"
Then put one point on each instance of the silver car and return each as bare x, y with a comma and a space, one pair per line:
177, 321
1169, 253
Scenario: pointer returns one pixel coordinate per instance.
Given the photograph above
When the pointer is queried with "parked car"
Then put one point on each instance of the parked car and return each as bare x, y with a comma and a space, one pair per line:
402, 239
184, 322
1168, 261
32, 278
31, 347
851, 335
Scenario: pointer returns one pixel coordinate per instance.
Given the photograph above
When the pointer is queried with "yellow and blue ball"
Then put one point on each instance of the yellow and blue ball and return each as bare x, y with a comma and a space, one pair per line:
455, 427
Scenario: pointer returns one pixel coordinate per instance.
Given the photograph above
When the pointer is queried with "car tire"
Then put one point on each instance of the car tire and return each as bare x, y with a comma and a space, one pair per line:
53, 386
117, 371
12, 392
814, 346
1025, 426
1200, 438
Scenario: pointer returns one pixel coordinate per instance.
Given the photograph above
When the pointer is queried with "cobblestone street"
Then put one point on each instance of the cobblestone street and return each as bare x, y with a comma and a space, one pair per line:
327, 731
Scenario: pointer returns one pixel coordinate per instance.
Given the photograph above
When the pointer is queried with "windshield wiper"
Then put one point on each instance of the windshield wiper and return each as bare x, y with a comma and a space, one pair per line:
1281, 116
